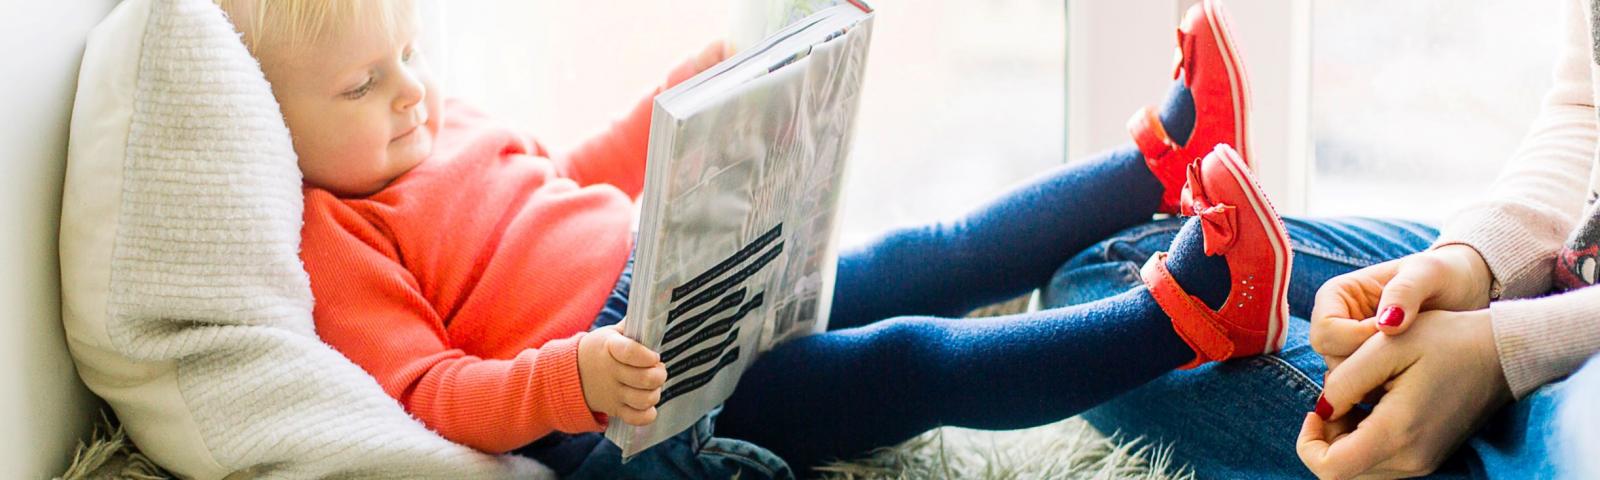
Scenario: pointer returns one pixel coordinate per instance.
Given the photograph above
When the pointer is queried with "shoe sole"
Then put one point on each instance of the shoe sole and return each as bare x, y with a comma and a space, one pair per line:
1277, 332
1217, 18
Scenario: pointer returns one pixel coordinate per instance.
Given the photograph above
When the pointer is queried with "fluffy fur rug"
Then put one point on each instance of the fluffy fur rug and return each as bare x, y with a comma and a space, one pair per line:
1069, 449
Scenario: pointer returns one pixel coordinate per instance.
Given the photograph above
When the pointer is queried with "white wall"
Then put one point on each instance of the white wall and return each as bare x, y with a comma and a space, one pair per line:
44, 409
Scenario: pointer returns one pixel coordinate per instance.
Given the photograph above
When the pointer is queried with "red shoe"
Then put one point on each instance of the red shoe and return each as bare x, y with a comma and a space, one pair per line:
1240, 224
1210, 67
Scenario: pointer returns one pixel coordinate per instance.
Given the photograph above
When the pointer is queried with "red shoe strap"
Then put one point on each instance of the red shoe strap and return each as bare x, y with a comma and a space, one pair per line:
1150, 135
1195, 323
1151, 138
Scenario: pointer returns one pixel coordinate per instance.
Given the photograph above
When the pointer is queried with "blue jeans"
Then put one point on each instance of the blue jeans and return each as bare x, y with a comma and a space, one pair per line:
1240, 419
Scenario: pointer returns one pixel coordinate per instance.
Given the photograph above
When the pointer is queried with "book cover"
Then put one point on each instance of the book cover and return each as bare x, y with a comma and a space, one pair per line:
738, 227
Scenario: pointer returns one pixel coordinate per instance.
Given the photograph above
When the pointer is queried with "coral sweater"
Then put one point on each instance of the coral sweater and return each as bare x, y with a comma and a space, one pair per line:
464, 286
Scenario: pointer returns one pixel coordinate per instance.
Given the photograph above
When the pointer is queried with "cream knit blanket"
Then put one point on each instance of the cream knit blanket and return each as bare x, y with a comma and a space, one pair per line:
206, 278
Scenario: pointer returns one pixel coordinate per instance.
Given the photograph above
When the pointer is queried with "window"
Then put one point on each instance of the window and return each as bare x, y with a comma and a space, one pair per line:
962, 98
1409, 113
1415, 110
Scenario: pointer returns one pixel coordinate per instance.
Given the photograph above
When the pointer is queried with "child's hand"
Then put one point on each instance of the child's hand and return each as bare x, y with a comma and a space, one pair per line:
621, 378
712, 54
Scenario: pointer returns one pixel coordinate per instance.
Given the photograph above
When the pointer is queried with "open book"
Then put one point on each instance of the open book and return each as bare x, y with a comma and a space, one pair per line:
737, 234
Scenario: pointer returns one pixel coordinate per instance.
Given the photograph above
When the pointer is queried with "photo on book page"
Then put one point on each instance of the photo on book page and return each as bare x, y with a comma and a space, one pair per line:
739, 215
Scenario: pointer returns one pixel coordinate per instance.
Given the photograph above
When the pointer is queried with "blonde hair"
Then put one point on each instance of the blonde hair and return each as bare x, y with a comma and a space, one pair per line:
299, 22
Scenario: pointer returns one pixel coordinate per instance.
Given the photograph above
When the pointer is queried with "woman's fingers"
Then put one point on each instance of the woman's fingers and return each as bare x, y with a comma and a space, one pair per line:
1347, 455
1364, 372
1420, 278
1337, 328
1340, 337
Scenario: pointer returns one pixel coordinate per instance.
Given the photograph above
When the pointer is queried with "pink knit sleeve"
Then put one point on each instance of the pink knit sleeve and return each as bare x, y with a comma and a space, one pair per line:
1543, 339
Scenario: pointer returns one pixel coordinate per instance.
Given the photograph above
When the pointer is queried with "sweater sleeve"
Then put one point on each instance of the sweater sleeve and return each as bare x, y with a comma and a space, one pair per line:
1538, 199
617, 155
371, 309
1542, 339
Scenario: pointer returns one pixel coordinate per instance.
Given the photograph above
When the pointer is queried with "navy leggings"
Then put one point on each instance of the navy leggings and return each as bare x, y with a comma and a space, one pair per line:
898, 359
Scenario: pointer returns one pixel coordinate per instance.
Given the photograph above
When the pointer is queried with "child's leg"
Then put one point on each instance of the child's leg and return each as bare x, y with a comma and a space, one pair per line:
1218, 294
844, 392
999, 250
1012, 244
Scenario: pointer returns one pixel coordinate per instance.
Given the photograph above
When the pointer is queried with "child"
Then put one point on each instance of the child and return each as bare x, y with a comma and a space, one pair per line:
473, 273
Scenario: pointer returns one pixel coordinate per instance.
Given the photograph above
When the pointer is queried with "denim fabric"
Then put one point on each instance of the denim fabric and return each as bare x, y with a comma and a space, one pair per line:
1578, 423
693, 454
1240, 419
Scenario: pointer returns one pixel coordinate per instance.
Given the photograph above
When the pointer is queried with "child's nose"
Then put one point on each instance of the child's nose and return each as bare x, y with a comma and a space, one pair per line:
412, 91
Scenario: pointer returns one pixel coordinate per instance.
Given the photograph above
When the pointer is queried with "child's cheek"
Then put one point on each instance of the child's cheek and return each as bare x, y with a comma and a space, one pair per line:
435, 103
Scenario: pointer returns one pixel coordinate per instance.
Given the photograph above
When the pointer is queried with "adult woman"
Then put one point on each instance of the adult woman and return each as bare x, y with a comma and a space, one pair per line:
1467, 356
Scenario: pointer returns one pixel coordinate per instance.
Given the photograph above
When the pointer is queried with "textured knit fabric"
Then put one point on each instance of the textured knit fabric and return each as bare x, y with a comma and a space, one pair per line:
465, 284
205, 276
1535, 206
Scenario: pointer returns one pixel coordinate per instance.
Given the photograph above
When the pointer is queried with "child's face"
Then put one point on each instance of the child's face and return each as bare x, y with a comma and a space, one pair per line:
361, 105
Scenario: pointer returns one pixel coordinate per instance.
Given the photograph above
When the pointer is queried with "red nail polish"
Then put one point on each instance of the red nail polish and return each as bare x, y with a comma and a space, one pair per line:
1391, 317
1324, 410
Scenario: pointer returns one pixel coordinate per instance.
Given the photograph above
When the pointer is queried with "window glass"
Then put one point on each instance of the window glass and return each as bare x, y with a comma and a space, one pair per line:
1417, 104
961, 100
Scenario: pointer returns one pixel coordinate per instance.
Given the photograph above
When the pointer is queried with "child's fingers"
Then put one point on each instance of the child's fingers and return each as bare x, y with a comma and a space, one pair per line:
644, 378
711, 54
636, 417
631, 353
638, 399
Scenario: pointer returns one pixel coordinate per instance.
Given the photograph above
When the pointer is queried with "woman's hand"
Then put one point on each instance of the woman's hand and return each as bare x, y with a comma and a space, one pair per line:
1387, 296
1438, 383
621, 378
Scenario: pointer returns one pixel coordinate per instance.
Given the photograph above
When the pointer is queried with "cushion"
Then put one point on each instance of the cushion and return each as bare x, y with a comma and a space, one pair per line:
185, 304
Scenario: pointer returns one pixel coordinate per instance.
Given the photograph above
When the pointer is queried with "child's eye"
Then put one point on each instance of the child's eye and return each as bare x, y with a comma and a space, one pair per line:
406, 55
360, 91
